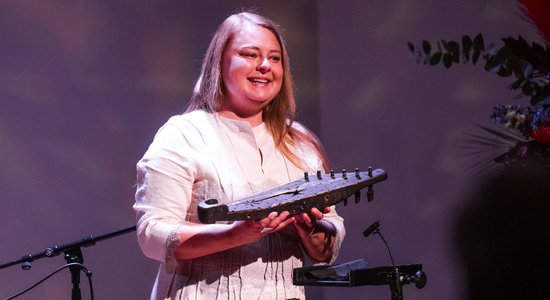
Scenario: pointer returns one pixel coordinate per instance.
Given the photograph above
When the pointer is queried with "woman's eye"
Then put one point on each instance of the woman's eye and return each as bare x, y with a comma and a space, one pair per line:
251, 55
275, 58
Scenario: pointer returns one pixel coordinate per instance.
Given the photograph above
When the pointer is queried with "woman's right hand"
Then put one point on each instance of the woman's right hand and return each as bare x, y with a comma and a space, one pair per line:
202, 239
252, 230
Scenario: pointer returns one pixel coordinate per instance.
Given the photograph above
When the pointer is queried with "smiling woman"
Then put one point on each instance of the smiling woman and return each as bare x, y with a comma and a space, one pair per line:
237, 138
252, 73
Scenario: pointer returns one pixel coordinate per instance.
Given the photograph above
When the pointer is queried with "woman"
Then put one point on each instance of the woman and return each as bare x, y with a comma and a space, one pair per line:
236, 139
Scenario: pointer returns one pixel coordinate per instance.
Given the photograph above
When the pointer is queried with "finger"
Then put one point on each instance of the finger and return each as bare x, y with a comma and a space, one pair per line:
326, 209
299, 217
273, 218
276, 225
306, 219
283, 215
302, 229
286, 222
267, 220
316, 214
266, 230
272, 215
255, 223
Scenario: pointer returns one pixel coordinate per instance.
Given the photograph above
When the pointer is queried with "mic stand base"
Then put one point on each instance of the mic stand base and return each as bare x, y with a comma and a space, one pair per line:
74, 255
396, 286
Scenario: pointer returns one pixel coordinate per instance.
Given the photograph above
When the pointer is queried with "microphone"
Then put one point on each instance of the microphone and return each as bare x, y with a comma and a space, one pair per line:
396, 279
372, 228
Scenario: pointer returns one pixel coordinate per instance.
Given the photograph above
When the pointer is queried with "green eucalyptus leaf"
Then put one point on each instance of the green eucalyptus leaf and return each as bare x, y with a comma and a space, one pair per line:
503, 53
537, 48
492, 65
446, 45
527, 69
436, 58
543, 101
426, 47
475, 56
515, 65
427, 59
490, 51
498, 62
541, 95
478, 43
504, 71
537, 98
466, 47
447, 60
411, 47
465, 56
455, 51
529, 89
517, 84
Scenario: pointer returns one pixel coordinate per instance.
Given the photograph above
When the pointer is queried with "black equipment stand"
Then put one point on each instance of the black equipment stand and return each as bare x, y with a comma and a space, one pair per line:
394, 277
357, 273
72, 253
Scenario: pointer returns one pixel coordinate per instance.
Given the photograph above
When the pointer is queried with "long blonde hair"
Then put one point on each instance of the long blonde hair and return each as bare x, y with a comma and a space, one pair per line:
279, 114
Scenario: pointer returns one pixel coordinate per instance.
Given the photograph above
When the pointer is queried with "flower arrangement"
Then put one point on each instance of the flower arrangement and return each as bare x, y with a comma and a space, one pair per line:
530, 122
529, 64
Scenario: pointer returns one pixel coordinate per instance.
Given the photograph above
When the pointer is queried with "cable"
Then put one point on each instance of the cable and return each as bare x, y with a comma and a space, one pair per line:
82, 268
387, 247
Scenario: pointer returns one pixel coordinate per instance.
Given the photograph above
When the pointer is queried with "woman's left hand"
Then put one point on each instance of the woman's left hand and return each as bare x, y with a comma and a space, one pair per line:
305, 222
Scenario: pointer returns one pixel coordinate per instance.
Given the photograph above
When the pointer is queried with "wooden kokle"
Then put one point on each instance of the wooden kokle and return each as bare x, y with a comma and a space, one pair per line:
320, 190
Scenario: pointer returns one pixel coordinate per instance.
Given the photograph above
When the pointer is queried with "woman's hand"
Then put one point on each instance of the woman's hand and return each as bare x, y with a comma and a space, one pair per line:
249, 231
317, 235
305, 222
202, 239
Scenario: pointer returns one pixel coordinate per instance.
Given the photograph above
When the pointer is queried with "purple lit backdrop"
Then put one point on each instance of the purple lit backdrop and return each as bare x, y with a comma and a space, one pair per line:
84, 85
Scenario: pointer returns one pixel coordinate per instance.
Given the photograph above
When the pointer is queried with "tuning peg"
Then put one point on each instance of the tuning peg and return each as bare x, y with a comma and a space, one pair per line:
357, 174
370, 193
306, 176
357, 197
319, 175
344, 175
332, 174
369, 170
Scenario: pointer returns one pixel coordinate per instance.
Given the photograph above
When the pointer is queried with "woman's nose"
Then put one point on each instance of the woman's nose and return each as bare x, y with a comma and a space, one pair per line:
264, 66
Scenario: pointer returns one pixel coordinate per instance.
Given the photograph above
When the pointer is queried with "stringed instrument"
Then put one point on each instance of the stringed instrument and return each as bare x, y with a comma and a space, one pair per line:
295, 197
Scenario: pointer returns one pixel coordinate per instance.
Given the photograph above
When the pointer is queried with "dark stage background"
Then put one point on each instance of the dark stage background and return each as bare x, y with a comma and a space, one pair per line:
84, 85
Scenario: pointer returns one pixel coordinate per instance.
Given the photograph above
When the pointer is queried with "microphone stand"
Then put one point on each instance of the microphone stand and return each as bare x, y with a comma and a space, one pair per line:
73, 254
396, 286
396, 279
355, 273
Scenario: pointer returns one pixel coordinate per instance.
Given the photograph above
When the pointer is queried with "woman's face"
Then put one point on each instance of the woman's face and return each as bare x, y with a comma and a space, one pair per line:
252, 72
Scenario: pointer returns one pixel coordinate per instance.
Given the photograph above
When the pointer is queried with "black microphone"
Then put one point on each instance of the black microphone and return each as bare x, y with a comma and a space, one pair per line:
395, 278
371, 229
